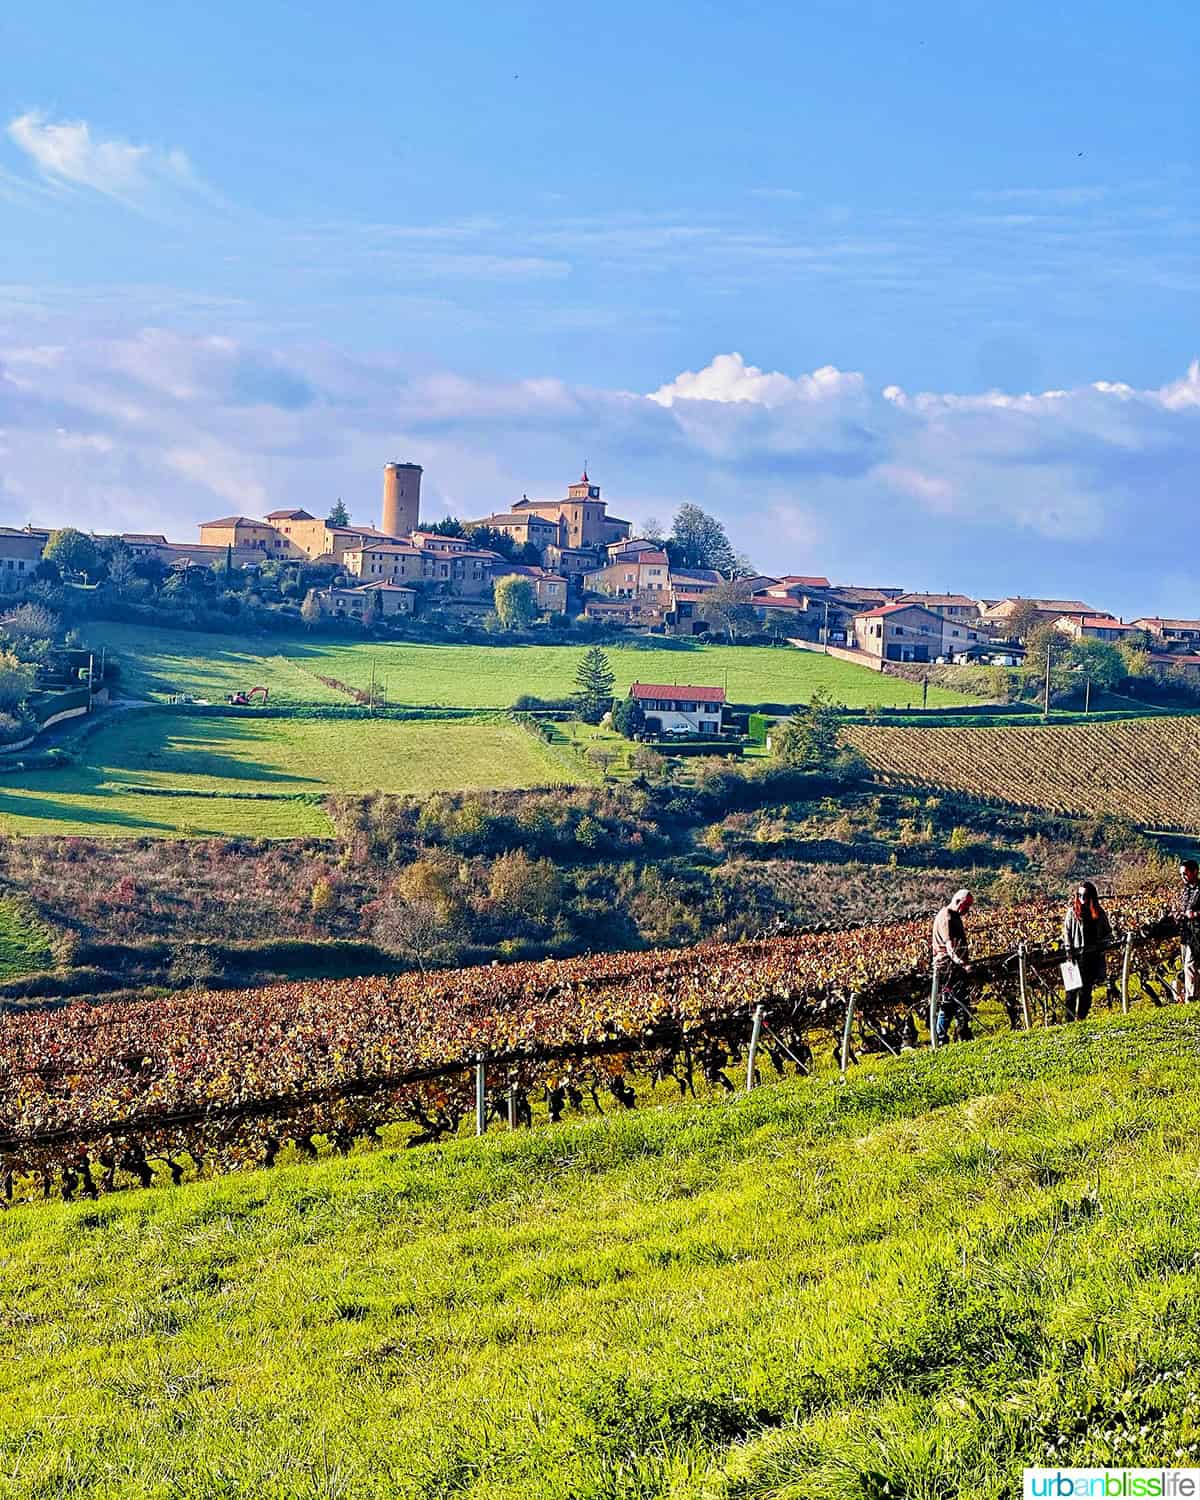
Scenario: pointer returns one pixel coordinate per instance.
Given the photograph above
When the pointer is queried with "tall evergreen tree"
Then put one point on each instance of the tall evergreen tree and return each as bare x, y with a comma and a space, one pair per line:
594, 682
339, 515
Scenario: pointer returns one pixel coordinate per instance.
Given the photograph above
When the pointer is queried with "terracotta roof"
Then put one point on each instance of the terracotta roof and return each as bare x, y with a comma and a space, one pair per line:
289, 515
811, 583
405, 547
1107, 622
144, 536
1149, 620
891, 609
233, 521
677, 690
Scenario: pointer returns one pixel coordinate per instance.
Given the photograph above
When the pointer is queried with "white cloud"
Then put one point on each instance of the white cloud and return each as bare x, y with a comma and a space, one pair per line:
66, 153
1086, 492
729, 378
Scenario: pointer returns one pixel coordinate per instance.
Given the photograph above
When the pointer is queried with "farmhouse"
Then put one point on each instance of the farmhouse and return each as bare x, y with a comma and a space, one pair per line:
20, 553
998, 617
636, 576
951, 606
679, 709
1170, 632
549, 589
910, 632
366, 601
1093, 627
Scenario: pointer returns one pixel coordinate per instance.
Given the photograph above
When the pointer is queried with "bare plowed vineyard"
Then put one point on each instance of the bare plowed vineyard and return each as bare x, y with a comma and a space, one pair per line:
1144, 769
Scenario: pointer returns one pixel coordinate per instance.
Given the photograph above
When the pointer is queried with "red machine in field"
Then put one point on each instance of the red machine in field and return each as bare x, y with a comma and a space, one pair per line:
244, 700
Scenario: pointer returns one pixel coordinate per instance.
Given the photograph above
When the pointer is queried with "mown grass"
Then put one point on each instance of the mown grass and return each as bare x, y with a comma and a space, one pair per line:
188, 766
913, 1284
24, 942
157, 662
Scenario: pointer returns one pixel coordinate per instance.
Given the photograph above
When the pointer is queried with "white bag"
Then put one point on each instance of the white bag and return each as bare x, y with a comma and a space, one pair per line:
1072, 978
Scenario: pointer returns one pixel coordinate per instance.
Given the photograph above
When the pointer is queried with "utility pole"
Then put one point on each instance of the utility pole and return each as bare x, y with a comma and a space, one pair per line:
925, 691
1046, 702
91, 668
371, 698
1087, 696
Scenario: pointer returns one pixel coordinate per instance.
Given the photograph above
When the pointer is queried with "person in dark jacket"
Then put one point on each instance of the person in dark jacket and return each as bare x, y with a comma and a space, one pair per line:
1086, 931
1189, 924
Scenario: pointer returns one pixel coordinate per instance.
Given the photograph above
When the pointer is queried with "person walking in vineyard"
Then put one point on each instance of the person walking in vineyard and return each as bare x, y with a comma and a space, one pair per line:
1189, 924
1086, 930
951, 965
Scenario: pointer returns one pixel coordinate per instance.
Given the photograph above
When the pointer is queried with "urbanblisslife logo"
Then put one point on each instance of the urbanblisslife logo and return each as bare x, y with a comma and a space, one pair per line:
1117, 1483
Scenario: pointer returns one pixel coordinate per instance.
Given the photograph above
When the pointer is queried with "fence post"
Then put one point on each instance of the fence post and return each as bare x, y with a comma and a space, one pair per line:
512, 1102
480, 1096
755, 1033
850, 1005
1024, 991
933, 1006
1125, 974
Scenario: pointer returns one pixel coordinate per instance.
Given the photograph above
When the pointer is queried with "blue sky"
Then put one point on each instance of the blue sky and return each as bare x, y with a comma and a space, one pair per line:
248, 253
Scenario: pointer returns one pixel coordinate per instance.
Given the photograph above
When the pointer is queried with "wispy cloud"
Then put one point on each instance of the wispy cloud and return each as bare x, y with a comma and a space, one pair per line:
67, 154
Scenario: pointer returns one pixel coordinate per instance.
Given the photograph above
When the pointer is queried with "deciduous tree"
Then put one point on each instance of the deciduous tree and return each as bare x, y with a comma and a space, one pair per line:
516, 603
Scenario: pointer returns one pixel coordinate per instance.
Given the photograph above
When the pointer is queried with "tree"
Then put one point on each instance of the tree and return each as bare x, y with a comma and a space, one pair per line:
310, 610
603, 756
73, 551
728, 608
810, 737
447, 526
594, 680
516, 601
31, 628
653, 531
525, 887
1045, 641
339, 515
1024, 619
16, 681
1097, 662
698, 540
629, 718
493, 540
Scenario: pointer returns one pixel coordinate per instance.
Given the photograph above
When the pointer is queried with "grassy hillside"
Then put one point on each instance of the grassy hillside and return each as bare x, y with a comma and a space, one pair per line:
1143, 769
909, 1285
157, 662
24, 943
182, 754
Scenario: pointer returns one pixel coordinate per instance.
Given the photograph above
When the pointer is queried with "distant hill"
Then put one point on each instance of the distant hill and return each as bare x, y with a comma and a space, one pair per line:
1147, 770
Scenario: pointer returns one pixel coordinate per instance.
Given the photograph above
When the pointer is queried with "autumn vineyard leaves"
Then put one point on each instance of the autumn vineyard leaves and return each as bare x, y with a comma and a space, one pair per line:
94, 1097
1142, 769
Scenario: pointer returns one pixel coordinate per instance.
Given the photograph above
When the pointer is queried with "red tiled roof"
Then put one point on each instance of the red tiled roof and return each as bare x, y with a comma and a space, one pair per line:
677, 690
775, 601
1106, 622
810, 583
233, 521
891, 609
290, 515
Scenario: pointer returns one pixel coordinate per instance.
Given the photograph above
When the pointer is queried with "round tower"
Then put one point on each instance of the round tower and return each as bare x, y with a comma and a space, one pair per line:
401, 498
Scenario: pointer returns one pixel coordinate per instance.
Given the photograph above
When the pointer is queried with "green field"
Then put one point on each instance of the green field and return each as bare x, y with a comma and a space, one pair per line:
909, 1285
157, 662
24, 943
179, 753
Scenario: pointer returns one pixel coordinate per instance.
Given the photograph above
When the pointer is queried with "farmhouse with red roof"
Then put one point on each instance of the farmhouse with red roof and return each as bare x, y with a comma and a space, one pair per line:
679, 708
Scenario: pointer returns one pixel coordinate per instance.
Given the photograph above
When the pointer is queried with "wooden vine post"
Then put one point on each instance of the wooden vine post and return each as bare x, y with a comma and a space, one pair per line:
933, 1006
755, 1035
1125, 973
1024, 987
480, 1096
851, 1005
